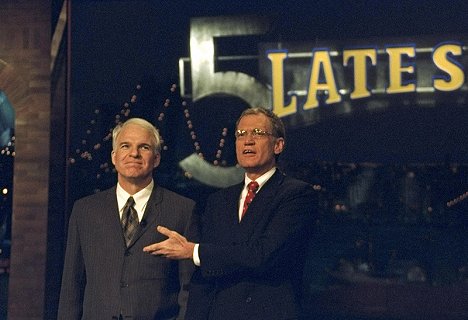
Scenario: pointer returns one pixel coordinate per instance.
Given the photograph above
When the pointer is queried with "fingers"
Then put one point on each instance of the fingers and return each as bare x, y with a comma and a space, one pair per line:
154, 248
175, 246
163, 230
165, 249
159, 249
171, 234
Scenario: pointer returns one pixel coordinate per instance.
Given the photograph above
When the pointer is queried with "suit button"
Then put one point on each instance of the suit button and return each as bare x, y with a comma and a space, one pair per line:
123, 285
128, 253
248, 300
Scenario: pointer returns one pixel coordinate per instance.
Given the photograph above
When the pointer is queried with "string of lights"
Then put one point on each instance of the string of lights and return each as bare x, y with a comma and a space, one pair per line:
9, 149
88, 149
196, 143
457, 200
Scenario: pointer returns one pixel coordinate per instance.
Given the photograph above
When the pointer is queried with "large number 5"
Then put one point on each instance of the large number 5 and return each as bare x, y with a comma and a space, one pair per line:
205, 81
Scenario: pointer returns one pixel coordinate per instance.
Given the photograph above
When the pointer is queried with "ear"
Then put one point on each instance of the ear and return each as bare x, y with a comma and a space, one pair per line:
157, 160
279, 146
113, 157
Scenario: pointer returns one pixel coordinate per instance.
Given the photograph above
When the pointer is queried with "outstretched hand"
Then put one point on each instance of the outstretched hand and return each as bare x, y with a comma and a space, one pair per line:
175, 247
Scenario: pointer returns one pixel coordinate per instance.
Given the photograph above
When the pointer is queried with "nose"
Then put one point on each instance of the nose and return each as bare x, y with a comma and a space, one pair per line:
134, 152
249, 139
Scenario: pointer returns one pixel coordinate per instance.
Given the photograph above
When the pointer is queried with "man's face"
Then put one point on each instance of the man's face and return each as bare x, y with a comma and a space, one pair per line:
134, 157
256, 154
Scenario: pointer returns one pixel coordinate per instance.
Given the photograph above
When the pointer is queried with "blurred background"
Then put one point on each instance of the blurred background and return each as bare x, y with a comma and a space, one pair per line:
389, 171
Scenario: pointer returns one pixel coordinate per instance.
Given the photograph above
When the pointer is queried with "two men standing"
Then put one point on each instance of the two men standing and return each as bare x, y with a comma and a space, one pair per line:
249, 254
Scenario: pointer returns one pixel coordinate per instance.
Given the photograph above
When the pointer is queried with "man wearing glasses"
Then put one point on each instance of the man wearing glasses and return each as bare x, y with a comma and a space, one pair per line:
253, 235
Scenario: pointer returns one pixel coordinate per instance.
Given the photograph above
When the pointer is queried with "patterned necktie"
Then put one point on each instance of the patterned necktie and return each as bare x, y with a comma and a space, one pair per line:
129, 220
253, 187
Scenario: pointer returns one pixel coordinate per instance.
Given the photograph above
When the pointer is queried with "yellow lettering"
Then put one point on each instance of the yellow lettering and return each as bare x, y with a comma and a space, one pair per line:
456, 77
396, 69
360, 71
321, 59
277, 76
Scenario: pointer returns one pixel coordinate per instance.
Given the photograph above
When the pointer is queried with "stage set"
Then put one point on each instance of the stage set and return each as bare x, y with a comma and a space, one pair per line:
373, 96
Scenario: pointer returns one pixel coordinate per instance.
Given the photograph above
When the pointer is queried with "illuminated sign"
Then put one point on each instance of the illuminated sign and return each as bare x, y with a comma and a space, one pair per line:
307, 78
316, 82
401, 66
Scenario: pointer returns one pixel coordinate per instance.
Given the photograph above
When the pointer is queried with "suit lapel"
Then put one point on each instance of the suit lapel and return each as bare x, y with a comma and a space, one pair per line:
232, 203
260, 204
109, 210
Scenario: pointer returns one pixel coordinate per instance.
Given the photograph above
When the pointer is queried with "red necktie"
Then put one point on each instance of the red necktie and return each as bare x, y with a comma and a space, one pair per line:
253, 187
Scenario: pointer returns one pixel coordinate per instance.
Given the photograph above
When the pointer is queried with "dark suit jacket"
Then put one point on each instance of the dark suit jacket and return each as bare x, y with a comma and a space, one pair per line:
102, 278
253, 269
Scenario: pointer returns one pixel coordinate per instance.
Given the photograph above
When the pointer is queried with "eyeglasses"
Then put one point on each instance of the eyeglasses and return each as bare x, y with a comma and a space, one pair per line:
255, 133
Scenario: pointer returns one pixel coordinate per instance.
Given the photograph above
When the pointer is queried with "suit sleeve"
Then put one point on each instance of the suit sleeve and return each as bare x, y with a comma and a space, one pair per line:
186, 267
73, 278
274, 248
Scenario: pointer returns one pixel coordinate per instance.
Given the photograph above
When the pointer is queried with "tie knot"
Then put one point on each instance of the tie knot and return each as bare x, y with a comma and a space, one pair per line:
252, 186
130, 202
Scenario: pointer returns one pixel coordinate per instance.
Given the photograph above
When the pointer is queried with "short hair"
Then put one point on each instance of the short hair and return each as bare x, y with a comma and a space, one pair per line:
155, 137
277, 125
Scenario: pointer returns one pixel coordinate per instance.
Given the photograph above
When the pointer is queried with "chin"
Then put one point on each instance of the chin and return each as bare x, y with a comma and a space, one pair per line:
248, 166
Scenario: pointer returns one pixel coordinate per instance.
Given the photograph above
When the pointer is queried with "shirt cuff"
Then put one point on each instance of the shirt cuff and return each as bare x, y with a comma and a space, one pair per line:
196, 257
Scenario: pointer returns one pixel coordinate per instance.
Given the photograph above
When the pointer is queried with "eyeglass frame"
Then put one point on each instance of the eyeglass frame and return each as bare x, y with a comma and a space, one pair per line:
256, 133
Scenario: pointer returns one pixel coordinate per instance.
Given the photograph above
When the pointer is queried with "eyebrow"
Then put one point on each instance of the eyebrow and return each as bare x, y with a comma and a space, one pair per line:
144, 144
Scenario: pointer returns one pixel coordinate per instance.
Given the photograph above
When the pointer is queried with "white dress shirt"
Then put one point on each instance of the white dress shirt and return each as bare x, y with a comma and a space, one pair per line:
260, 180
141, 199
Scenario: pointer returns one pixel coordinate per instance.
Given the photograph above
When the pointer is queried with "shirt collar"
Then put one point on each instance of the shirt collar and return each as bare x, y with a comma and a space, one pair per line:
262, 179
141, 197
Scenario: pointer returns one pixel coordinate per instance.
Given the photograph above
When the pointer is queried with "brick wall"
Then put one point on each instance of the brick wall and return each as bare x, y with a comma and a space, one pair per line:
25, 33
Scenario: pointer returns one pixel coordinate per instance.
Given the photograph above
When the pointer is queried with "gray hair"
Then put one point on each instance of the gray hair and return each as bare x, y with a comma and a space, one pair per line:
155, 137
